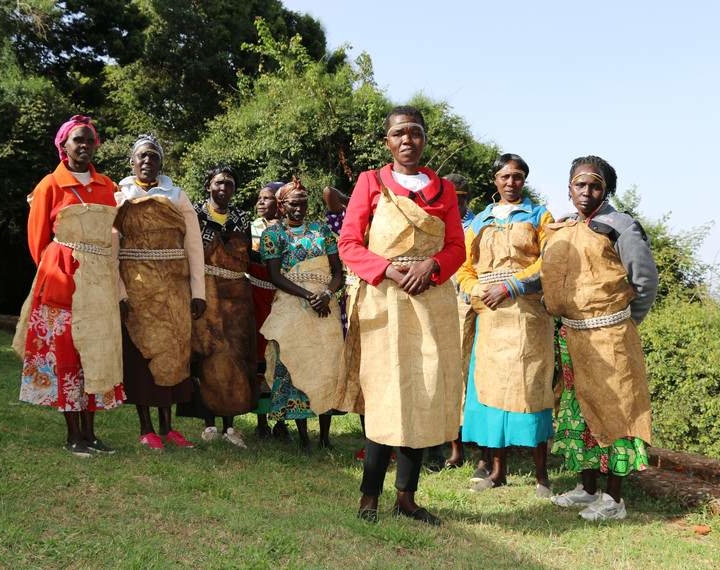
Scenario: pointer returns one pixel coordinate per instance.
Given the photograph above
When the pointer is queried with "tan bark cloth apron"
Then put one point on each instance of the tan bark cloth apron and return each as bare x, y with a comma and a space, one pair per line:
158, 290
583, 278
514, 353
95, 314
309, 346
410, 362
224, 337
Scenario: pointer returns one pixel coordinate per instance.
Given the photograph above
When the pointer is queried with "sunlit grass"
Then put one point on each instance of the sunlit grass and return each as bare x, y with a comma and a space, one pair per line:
270, 507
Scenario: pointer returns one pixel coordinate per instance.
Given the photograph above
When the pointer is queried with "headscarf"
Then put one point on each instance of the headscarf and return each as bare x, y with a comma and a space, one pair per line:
67, 127
150, 140
294, 187
274, 186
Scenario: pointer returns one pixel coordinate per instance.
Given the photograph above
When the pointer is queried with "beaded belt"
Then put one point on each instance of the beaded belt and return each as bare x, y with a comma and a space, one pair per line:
85, 247
255, 282
406, 260
496, 276
305, 277
597, 322
151, 254
224, 273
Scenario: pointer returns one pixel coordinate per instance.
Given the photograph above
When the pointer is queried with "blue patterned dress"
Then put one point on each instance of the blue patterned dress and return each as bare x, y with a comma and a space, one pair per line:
291, 246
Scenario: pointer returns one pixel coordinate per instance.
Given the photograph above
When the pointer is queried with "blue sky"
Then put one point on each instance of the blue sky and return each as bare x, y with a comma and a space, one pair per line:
637, 83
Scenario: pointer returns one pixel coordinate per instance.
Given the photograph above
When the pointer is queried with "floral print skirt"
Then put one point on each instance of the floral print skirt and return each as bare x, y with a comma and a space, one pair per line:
577, 445
52, 374
286, 401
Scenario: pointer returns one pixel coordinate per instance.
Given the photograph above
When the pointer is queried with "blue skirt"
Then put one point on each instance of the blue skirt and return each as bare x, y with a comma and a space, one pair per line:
493, 427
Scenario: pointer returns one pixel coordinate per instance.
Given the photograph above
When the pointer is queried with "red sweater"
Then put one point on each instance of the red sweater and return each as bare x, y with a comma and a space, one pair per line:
370, 266
55, 285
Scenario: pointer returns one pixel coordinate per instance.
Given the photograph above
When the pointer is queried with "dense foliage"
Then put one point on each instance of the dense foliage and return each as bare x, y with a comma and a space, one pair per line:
682, 347
322, 123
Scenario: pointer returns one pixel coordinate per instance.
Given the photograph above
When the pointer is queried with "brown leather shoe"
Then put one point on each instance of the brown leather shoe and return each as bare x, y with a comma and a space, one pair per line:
335, 200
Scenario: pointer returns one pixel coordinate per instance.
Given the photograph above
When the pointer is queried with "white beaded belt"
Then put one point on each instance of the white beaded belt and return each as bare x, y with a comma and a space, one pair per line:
85, 247
406, 260
255, 282
227, 274
151, 254
496, 276
305, 277
224, 273
597, 322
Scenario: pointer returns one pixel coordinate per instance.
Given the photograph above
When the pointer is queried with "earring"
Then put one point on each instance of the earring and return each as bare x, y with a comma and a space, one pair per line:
494, 200
569, 196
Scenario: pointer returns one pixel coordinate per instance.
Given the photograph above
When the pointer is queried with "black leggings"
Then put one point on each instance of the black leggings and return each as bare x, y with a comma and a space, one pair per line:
377, 459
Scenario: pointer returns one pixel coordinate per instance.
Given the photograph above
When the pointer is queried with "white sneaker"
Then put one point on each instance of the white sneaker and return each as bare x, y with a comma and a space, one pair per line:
234, 437
605, 508
210, 434
578, 497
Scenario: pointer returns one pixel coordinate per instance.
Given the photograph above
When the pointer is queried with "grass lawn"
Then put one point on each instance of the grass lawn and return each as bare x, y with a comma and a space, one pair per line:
269, 507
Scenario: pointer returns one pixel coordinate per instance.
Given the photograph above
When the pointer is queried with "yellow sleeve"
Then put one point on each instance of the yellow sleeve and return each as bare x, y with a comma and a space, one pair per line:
467, 276
533, 271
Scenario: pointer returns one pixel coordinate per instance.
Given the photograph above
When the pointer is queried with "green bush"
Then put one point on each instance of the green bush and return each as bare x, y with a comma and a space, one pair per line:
682, 350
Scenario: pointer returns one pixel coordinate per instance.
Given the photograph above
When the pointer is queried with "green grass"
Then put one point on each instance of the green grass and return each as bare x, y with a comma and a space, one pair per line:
268, 507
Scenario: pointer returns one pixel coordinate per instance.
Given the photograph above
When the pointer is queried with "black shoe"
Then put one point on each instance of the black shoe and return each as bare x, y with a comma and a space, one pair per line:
420, 514
280, 431
263, 432
79, 449
368, 515
97, 446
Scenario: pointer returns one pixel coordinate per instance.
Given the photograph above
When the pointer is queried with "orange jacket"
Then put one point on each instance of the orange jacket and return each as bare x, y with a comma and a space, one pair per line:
54, 284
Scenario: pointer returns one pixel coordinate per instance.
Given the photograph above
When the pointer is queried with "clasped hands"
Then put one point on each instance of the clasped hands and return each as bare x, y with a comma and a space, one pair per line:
415, 278
320, 303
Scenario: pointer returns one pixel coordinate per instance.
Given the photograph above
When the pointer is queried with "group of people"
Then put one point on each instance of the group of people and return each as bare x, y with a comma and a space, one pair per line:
434, 324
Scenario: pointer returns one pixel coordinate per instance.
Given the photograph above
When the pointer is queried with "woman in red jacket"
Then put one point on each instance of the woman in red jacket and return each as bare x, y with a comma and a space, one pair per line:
68, 333
403, 238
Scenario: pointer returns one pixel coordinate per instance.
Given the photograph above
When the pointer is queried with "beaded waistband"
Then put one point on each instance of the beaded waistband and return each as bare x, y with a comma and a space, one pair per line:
151, 254
86, 247
597, 322
406, 260
496, 276
305, 277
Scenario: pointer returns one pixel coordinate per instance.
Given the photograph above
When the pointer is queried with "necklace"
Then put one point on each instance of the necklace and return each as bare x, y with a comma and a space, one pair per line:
299, 231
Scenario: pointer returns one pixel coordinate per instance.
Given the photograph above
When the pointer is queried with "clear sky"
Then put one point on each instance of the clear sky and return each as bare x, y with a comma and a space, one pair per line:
636, 82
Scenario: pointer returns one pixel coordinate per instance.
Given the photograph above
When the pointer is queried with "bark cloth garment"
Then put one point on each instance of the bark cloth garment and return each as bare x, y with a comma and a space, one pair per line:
409, 361
158, 329
223, 339
583, 277
69, 329
308, 346
512, 363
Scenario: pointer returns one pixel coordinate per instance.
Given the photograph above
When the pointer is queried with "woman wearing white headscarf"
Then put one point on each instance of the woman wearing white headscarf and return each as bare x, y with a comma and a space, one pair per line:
163, 286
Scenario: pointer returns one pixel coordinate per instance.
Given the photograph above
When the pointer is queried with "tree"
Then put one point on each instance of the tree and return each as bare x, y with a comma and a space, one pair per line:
190, 61
31, 108
319, 121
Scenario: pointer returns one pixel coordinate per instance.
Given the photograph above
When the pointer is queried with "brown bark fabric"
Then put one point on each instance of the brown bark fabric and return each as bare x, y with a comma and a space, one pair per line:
349, 396
309, 346
410, 351
95, 315
583, 277
514, 348
158, 290
223, 339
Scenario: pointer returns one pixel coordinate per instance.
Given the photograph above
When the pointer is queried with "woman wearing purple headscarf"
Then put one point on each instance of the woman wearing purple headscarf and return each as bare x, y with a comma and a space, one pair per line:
69, 330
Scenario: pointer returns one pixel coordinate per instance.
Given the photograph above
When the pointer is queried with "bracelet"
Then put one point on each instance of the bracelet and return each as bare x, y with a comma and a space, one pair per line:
328, 294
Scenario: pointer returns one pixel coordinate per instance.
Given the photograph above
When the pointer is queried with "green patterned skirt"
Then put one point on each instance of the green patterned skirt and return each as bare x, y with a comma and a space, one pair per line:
577, 445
